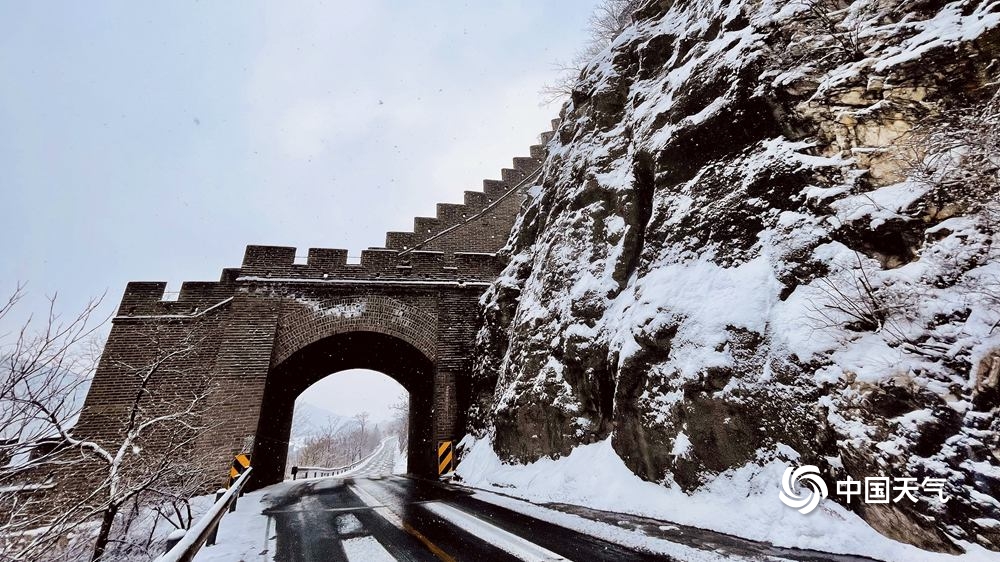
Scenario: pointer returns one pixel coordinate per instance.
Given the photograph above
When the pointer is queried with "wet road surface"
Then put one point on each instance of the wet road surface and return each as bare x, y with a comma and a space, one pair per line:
407, 519
374, 515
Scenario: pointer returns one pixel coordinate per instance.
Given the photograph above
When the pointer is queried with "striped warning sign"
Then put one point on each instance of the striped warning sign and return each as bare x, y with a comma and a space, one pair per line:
240, 464
446, 457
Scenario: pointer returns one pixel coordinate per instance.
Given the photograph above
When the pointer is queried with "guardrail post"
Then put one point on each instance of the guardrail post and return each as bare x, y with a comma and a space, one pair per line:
173, 538
183, 545
214, 533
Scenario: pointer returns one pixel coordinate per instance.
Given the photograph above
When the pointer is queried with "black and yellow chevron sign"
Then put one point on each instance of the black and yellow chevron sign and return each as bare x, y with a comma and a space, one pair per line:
446, 457
240, 464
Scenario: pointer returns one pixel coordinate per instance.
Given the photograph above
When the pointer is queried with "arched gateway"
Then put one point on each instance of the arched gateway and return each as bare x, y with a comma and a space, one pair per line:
262, 334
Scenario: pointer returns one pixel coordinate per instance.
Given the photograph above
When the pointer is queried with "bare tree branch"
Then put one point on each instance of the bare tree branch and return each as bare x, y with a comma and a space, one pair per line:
44, 371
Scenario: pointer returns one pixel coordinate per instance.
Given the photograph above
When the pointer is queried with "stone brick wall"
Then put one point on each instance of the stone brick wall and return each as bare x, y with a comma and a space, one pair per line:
267, 330
483, 222
316, 320
137, 345
484, 232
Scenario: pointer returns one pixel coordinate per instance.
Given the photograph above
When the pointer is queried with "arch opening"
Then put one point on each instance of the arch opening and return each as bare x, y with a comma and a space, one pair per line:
374, 351
344, 417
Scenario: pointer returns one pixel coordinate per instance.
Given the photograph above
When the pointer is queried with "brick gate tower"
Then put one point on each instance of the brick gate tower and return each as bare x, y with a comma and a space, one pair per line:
250, 343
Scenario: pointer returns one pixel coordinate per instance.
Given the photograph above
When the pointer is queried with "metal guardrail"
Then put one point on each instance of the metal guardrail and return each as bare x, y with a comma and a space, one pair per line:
204, 530
322, 472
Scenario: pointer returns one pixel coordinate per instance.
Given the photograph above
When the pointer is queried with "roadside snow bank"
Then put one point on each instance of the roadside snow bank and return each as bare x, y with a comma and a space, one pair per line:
742, 502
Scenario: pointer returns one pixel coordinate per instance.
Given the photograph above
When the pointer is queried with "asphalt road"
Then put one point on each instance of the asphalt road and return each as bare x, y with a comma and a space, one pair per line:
396, 518
374, 515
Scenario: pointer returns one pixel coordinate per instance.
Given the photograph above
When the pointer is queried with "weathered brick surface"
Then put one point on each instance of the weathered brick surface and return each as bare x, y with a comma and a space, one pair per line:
319, 318
267, 330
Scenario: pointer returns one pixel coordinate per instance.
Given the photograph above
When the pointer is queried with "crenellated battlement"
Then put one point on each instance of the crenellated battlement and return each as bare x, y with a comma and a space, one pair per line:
501, 197
147, 298
458, 245
278, 262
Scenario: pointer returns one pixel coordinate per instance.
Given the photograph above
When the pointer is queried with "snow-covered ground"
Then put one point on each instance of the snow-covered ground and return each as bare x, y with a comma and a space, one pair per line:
243, 534
401, 463
742, 502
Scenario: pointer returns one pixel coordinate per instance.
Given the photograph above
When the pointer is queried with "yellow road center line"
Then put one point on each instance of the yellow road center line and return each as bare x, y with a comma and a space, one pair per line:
435, 549
391, 517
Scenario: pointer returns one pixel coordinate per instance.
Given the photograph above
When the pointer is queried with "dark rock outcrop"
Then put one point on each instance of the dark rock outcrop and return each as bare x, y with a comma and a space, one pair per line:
765, 226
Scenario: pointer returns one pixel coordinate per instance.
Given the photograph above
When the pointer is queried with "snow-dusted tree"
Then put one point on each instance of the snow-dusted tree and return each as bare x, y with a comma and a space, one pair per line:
609, 19
56, 483
360, 437
327, 447
399, 425
43, 375
338, 445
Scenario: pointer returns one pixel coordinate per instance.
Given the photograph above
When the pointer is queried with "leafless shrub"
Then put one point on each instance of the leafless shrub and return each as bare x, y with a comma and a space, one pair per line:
827, 33
829, 19
610, 18
957, 155
607, 22
854, 302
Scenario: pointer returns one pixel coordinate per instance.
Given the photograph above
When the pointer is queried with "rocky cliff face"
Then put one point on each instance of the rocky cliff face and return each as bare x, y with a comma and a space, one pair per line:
765, 230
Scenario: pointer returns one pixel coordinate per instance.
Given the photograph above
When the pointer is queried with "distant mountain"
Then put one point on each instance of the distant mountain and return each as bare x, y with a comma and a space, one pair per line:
309, 420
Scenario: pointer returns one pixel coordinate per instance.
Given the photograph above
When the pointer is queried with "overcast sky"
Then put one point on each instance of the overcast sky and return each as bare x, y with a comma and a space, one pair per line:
153, 141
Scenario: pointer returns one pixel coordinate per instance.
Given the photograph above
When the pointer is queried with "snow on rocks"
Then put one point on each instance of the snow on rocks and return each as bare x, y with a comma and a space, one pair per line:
745, 239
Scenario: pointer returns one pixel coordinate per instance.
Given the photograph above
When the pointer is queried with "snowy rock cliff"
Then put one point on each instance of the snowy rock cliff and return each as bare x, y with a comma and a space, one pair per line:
765, 231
